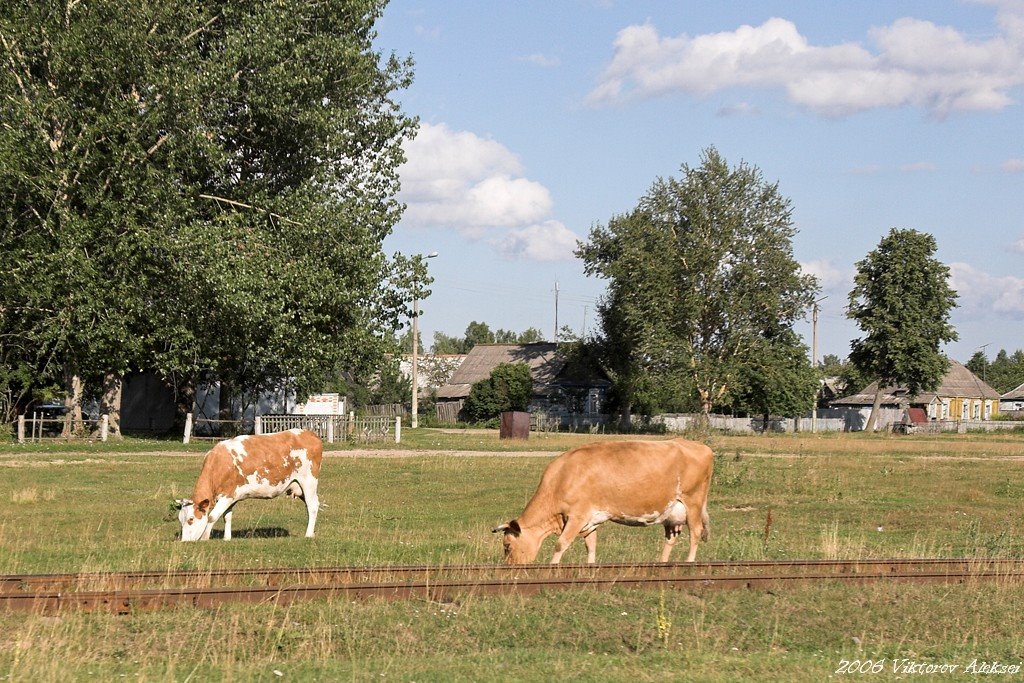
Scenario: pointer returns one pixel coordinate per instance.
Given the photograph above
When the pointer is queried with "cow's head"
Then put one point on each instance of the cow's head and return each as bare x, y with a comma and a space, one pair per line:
192, 517
521, 546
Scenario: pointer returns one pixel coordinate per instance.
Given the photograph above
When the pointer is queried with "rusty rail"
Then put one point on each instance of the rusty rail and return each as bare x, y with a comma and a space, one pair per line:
119, 592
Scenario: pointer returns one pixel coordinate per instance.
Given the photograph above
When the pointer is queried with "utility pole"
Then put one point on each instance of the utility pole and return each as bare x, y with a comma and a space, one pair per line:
556, 313
814, 361
414, 421
583, 334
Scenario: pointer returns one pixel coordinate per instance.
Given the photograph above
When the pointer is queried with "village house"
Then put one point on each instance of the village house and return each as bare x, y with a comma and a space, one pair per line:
560, 388
960, 396
1012, 401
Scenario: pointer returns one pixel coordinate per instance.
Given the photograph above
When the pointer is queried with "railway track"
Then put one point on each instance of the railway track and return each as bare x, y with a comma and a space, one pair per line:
125, 592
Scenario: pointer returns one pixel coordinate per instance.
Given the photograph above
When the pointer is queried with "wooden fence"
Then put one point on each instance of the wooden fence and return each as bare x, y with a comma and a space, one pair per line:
38, 428
448, 411
384, 410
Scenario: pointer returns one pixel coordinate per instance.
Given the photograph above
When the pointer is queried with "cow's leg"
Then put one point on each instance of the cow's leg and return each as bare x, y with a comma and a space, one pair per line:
671, 534
572, 528
227, 525
591, 541
309, 495
222, 506
695, 520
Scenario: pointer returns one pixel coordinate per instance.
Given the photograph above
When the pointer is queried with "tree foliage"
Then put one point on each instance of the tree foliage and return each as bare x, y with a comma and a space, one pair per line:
199, 187
779, 379
699, 274
902, 300
481, 333
1004, 373
508, 388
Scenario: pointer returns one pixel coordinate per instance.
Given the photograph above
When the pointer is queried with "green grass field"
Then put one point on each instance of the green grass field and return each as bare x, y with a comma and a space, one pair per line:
101, 507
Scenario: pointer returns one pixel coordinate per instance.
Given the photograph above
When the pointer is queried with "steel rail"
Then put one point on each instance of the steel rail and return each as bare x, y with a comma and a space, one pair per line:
20, 583
432, 583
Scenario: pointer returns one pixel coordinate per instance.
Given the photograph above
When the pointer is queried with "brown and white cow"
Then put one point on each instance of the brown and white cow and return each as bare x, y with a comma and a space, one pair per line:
637, 483
262, 466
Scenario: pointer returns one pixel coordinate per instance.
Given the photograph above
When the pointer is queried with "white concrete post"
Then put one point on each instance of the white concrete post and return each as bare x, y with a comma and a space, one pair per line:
188, 428
104, 427
258, 425
398, 429
330, 429
21, 428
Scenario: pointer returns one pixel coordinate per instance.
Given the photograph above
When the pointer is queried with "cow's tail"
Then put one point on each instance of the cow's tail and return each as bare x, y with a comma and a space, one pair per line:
705, 523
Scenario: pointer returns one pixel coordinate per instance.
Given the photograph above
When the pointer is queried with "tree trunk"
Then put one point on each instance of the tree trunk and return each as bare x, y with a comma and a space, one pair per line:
184, 399
764, 425
873, 418
225, 410
110, 404
626, 419
72, 405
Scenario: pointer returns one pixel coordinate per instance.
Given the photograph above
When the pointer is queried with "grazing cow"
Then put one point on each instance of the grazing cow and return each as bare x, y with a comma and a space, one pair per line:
637, 483
262, 466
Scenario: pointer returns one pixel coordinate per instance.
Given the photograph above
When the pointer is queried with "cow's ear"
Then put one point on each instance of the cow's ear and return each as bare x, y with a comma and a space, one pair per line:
514, 527
202, 505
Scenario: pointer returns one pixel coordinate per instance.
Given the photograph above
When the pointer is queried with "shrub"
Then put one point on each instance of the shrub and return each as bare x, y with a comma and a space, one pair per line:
508, 388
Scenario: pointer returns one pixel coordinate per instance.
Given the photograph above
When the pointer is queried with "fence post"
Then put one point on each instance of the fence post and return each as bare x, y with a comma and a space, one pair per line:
257, 426
188, 429
398, 429
104, 427
21, 428
352, 422
330, 429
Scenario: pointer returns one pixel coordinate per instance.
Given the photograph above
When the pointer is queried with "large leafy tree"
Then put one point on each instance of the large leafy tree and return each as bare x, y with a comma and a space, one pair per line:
901, 300
200, 187
699, 273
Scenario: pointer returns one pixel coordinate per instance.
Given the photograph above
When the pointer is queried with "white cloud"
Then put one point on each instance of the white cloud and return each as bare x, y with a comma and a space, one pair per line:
1012, 166
541, 60
547, 241
913, 63
917, 167
739, 109
830, 277
984, 295
458, 180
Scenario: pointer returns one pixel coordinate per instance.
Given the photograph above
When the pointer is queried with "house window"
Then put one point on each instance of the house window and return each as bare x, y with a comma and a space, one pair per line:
965, 407
945, 408
988, 410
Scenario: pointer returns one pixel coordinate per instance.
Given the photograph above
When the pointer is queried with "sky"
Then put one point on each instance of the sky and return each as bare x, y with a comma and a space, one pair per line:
541, 120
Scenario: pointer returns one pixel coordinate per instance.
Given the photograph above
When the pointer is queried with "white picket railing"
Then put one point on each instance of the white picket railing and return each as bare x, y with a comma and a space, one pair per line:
330, 428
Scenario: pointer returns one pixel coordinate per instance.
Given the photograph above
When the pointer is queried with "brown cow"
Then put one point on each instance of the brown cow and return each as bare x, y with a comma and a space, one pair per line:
262, 466
638, 483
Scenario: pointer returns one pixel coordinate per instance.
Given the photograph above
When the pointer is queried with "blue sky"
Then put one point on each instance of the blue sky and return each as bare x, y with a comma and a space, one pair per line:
540, 120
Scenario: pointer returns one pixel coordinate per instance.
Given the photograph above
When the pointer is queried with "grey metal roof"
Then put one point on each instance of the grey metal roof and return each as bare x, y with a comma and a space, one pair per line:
1013, 394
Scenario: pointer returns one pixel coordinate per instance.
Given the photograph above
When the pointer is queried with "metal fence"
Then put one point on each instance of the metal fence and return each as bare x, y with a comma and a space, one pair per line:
340, 428
330, 428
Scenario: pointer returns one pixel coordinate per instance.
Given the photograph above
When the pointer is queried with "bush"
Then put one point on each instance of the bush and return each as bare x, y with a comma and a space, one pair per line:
508, 388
